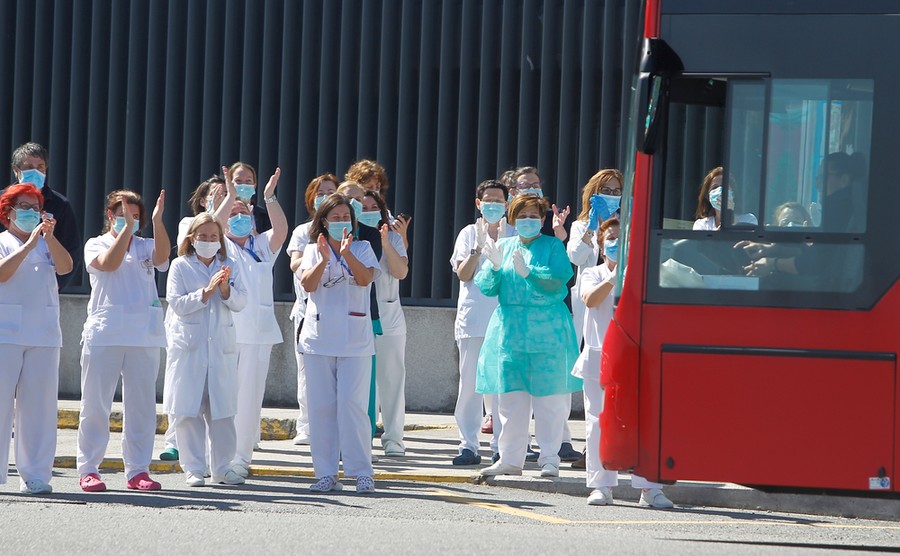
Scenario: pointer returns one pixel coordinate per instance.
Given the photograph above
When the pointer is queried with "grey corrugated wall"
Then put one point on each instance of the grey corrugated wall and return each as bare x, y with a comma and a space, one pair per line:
151, 93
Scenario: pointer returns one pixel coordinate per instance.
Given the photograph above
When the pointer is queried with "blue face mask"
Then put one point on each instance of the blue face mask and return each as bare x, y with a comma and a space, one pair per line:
33, 176
370, 218
27, 219
318, 201
120, 225
493, 212
357, 207
611, 249
336, 229
535, 191
239, 225
528, 227
244, 191
612, 203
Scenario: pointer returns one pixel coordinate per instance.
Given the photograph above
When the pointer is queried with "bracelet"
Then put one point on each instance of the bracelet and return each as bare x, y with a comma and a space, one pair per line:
271, 199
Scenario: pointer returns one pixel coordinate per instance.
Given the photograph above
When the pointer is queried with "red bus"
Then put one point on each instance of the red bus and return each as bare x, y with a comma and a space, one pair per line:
746, 348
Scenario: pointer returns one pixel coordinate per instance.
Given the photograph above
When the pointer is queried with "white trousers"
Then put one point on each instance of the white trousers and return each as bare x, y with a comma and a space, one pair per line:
193, 441
597, 476
171, 441
101, 367
29, 381
390, 379
339, 426
252, 369
515, 416
469, 402
303, 414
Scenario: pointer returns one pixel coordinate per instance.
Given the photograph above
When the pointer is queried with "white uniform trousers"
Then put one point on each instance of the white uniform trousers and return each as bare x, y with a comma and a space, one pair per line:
101, 367
303, 414
597, 476
193, 442
549, 416
252, 369
171, 442
339, 426
468, 401
30, 377
390, 378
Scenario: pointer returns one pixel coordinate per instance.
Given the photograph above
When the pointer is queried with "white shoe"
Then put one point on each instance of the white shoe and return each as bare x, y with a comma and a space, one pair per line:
229, 478
654, 498
193, 480
500, 468
600, 497
35, 486
365, 484
326, 484
550, 470
393, 449
256, 446
301, 439
241, 469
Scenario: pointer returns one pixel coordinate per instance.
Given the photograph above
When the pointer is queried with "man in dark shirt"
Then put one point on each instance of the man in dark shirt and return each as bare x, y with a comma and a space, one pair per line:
29, 165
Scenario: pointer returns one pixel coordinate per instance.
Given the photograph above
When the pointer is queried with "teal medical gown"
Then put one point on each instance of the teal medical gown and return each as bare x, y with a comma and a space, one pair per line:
530, 342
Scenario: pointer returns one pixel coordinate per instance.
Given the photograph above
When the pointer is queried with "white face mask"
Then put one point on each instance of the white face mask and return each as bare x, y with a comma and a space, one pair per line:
207, 249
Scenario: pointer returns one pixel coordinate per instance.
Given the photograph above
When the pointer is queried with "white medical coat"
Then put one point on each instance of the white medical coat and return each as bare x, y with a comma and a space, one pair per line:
29, 300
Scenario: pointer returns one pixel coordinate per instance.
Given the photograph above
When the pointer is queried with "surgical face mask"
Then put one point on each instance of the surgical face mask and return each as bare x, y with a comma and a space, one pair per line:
210, 204
535, 191
715, 199
336, 229
318, 201
370, 218
207, 249
33, 176
27, 219
239, 225
611, 249
244, 191
357, 207
528, 227
493, 212
120, 225
612, 202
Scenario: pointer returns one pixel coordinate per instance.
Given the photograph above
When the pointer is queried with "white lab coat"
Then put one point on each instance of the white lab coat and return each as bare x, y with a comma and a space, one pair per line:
29, 300
201, 339
583, 256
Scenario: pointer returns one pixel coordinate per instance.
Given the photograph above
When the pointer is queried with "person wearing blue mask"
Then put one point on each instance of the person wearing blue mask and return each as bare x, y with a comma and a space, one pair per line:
244, 177
338, 342
709, 204
473, 311
529, 347
30, 335
30, 164
316, 192
122, 336
256, 329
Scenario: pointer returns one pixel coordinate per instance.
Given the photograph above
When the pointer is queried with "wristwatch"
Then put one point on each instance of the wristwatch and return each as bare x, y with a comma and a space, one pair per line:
271, 199
473, 252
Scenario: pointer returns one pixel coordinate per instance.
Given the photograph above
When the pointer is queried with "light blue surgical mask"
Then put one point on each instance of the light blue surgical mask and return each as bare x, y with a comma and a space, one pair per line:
120, 225
239, 225
370, 218
27, 219
244, 191
33, 176
528, 227
336, 229
535, 191
493, 212
612, 202
318, 201
611, 249
715, 198
357, 207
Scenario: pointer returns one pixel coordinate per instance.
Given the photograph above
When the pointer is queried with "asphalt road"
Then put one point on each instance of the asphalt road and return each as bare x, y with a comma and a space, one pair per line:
279, 514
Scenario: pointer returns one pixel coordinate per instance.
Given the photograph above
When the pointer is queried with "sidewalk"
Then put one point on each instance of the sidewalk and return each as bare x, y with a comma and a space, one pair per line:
431, 443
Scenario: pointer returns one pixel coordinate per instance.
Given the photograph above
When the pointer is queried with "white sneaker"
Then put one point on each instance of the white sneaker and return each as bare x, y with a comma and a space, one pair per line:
194, 480
365, 484
550, 470
600, 497
229, 478
393, 449
326, 484
301, 439
256, 446
500, 468
654, 498
35, 486
241, 469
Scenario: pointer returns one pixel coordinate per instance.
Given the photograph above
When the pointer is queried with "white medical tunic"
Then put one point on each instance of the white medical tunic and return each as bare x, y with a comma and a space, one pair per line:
256, 323
29, 300
387, 293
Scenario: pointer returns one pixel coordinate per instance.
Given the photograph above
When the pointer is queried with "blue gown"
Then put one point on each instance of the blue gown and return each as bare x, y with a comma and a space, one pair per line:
530, 342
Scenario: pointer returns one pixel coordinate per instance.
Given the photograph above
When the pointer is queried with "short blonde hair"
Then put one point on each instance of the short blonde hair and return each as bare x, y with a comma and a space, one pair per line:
187, 246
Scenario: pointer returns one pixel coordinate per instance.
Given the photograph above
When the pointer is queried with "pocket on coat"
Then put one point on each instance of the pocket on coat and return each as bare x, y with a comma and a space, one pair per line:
229, 339
10, 319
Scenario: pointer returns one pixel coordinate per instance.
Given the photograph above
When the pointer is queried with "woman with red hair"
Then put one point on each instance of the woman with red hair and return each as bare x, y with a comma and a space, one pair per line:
30, 336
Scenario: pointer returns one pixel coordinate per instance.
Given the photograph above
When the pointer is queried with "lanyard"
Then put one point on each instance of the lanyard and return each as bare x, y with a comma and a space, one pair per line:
340, 260
249, 249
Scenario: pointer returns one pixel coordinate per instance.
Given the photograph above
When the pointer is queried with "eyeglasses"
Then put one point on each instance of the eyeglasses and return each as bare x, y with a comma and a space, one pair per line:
526, 185
334, 281
613, 192
25, 206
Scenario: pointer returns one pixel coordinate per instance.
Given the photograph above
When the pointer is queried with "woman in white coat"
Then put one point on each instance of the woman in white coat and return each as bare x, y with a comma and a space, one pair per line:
204, 287
30, 336
390, 345
338, 343
122, 336
256, 328
316, 192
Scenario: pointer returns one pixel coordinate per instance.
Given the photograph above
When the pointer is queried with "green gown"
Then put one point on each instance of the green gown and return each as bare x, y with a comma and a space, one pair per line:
530, 342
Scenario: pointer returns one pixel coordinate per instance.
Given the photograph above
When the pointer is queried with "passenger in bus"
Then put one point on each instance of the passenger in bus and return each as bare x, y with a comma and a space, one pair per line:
529, 348
790, 215
597, 283
709, 204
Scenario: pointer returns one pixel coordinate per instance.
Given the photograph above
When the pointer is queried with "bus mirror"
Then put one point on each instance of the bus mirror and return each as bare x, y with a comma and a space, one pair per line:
651, 90
658, 61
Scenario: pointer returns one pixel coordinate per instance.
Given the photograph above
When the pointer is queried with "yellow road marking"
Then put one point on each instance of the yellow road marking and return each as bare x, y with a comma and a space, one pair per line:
456, 498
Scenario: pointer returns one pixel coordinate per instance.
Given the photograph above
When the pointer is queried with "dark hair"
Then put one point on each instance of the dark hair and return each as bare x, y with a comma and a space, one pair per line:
704, 207
507, 178
312, 190
28, 149
319, 225
522, 170
13, 192
842, 163
131, 198
491, 184
202, 192
382, 206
